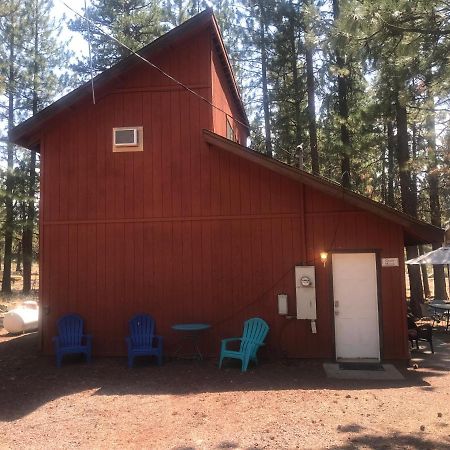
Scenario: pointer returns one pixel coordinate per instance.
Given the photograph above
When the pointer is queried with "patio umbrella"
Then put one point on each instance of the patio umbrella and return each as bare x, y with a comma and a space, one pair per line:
438, 256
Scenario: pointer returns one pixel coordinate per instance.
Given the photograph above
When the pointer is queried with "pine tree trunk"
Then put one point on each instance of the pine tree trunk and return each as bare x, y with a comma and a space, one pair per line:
343, 110
415, 282
403, 158
311, 92
391, 151
426, 284
27, 235
312, 125
423, 268
297, 96
19, 257
409, 204
265, 88
440, 290
413, 172
9, 213
383, 173
9, 222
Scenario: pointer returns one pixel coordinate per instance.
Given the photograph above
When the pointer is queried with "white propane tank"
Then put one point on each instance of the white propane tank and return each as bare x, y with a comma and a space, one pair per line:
22, 319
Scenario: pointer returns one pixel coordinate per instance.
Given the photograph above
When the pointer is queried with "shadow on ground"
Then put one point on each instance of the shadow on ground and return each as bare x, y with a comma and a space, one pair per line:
395, 441
368, 441
29, 380
359, 438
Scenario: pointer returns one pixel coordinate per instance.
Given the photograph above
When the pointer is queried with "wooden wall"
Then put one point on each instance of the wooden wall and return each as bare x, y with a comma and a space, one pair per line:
333, 225
223, 98
185, 231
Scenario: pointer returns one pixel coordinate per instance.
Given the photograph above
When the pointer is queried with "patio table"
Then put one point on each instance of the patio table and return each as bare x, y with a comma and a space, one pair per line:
191, 332
444, 308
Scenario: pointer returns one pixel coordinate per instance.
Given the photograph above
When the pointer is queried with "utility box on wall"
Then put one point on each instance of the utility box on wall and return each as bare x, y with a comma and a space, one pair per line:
305, 290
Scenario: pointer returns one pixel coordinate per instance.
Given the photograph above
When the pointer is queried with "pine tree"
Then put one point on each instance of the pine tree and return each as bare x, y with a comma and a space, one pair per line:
45, 61
135, 23
343, 82
404, 40
12, 38
178, 11
261, 37
309, 26
33, 67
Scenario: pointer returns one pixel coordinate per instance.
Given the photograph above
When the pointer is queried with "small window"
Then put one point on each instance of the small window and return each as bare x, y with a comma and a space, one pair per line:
230, 132
128, 139
124, 137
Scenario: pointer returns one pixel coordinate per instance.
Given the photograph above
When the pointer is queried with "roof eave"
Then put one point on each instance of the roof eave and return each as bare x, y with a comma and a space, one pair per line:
415, 231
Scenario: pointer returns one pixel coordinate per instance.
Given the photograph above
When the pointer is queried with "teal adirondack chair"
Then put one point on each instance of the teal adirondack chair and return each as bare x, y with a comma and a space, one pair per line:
255, 331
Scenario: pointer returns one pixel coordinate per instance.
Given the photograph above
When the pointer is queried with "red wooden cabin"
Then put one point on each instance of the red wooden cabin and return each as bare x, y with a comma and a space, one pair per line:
190, 226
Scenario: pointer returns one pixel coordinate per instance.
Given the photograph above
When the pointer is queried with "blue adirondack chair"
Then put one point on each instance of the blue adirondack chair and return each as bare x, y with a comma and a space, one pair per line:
71, 339
142, 340
255, 331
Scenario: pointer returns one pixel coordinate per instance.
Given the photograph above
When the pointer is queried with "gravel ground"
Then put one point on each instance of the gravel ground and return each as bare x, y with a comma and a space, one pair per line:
192, 405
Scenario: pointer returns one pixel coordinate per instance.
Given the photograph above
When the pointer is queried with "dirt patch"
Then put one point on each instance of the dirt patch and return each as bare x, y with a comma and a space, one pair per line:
17, 279
10, 301
16, 297
193, 405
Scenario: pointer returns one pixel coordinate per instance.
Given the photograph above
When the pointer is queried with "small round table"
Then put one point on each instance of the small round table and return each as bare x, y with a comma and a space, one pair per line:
191, 336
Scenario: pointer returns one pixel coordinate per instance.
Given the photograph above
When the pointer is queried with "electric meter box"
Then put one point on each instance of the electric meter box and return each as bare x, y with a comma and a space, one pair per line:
305, 291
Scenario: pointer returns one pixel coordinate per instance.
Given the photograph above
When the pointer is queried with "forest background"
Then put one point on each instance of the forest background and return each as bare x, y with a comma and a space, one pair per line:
353, 90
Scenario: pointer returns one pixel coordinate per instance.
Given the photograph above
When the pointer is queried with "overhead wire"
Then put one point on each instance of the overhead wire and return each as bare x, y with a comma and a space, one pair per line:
154, 66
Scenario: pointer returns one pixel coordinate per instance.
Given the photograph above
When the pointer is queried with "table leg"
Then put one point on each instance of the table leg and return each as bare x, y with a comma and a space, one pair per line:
189, 340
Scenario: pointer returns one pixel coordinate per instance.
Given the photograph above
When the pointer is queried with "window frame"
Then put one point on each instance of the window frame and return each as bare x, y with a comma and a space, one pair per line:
230, 131
125, 148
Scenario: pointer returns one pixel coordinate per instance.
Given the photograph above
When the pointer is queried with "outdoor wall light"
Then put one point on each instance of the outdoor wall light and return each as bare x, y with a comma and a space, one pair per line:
323, 258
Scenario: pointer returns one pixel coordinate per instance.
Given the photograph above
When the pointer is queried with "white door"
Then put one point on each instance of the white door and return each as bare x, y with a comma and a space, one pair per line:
356, 327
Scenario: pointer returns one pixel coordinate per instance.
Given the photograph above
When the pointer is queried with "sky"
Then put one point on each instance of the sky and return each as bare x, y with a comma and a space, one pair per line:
77, 43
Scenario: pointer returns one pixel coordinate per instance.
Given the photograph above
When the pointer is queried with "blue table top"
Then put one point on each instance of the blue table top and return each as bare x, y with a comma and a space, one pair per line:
191, 326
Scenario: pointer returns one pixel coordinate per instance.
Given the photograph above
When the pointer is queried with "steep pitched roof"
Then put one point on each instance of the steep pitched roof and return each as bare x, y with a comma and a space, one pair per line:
25, 134
415, 231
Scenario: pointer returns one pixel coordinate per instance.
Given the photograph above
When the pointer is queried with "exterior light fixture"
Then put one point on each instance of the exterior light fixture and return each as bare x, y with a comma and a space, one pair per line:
323, 258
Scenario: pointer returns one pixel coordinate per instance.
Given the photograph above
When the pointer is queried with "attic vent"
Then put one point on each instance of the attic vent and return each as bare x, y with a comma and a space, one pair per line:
127, 139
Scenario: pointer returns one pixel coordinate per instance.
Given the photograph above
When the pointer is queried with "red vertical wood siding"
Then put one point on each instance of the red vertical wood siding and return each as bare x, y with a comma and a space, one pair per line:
223, 99
185, 231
